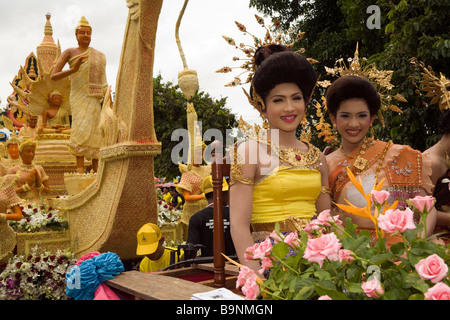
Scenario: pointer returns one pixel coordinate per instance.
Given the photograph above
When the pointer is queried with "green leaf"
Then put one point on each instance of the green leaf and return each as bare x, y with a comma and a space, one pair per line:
354, 287
416, 296
398, 248
304, 293
381, 258
280, 249
420, 248
324, 288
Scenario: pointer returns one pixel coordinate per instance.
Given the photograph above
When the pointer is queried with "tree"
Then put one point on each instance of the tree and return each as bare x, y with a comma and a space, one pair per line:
169, 106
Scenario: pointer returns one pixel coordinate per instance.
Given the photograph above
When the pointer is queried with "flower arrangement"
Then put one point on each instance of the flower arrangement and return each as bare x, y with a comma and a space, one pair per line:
167, 214
327, 261
39, 217
38, 276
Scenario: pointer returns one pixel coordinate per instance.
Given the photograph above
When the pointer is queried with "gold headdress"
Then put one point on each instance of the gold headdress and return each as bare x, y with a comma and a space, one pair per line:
82, 23
249, 66
381, 79
26, 143
438, 89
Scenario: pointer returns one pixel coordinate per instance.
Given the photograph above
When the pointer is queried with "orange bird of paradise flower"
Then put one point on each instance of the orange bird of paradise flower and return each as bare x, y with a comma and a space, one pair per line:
365, 212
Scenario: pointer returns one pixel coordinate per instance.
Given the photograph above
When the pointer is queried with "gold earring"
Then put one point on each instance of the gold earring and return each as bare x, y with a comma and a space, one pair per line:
372, 132
306, 133
266, 124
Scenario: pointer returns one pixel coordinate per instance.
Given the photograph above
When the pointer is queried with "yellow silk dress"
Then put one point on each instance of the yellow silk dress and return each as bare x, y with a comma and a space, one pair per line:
289, 190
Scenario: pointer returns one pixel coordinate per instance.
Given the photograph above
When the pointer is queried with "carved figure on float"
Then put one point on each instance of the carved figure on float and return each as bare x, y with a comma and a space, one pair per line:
88, 88
31, 178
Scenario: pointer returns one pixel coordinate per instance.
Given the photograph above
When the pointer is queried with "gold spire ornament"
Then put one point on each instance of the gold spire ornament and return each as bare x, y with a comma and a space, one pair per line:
381, 79
438, 89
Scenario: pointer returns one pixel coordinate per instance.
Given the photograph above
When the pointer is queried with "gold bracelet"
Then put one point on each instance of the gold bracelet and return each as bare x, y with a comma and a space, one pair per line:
325, 189
2, 217
26, 187
41, 187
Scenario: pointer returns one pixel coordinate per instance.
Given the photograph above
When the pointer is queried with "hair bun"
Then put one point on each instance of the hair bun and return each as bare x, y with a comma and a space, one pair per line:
263, 52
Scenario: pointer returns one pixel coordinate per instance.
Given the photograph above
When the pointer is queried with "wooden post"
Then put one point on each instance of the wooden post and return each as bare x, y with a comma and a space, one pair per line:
219, 239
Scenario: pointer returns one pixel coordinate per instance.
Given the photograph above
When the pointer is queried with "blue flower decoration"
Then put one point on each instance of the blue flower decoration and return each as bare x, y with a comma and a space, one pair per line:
84, 280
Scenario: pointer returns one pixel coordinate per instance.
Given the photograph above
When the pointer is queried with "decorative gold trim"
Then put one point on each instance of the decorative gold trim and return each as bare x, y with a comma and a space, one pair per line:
130, 149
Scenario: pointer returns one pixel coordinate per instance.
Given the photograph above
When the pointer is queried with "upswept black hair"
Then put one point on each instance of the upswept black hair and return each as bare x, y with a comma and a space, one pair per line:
284, 66
351, 86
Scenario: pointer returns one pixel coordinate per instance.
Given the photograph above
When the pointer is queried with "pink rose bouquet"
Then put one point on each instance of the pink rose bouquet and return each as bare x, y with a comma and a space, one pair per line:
330, 260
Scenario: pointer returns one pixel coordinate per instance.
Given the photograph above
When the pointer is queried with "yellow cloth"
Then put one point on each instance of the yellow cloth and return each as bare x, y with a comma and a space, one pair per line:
86, 138
288, 191
148, 265
166, 197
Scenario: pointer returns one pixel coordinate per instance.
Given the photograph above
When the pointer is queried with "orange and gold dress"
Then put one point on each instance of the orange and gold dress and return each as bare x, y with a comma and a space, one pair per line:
406, 172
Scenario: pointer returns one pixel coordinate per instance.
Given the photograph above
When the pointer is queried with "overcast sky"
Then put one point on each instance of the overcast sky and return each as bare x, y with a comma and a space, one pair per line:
203, 24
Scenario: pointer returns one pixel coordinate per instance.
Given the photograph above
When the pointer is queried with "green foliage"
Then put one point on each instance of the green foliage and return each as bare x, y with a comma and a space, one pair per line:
169, 109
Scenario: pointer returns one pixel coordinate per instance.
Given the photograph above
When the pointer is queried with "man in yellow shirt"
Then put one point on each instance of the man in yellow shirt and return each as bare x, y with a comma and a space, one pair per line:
151, 245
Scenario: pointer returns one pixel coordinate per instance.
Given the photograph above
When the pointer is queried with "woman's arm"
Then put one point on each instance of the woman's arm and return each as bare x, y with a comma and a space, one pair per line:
324, 200
241, 204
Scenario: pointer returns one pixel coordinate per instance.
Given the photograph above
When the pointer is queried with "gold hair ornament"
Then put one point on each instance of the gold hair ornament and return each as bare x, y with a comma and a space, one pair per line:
270, 37
435, 88
381, 79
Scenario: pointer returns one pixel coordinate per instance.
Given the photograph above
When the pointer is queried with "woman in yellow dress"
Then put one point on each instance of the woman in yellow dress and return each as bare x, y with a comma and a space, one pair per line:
353, 103
275, 176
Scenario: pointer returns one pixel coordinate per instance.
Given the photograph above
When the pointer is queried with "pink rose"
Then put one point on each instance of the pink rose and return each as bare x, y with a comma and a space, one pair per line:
275, 236
325, 217
244, 273
292, 239
258, 250
325, 297
265, 264
432, 268
440, 291
250, 252
372, 288
346, 255
423, 203
319, 249
323, 220
247, 280
250, 289
313, 226
379, 197
396, 219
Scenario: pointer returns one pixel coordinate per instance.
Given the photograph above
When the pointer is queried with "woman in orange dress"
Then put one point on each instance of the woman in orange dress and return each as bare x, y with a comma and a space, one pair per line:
353, 103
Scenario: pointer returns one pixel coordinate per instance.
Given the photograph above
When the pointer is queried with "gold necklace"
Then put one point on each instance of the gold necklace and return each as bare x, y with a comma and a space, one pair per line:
294, 156
447, 158
27, 167
360, 162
